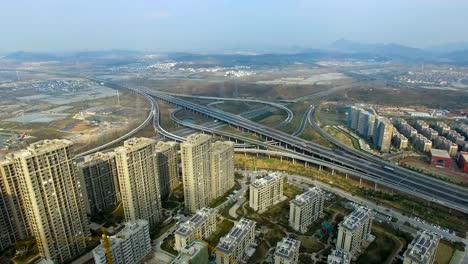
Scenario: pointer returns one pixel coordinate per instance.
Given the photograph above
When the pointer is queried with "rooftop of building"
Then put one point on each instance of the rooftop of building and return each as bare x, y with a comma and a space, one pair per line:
221, 145
339, 257
229, 242
196, 139
287, 247
356, 218
196, 220
165, 145
271, 177
188, 252
308, 195
464, 155
422, 247
440, 153
138, 142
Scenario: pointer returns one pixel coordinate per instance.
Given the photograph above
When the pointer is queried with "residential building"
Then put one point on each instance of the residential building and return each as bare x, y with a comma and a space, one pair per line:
443, 143
353, 117
231, 248
339, 257
354, 230
196, 172
266, 191
222, 168
166, 159
366, 124
399, 141
200, 226
422, 249
128, 246
306, 208
99, 173
287, 251
383, 134
442, 128
193, 253
13, 221
137, 171
52, 199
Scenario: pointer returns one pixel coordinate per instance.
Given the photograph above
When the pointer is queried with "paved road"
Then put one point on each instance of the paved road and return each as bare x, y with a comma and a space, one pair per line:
304, 119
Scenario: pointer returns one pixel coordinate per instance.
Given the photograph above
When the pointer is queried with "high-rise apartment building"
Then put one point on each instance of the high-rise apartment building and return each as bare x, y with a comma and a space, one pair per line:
287, 251
366, 124
266, 191
53, 199
354, 230
196, 172
383, 134
13, 222
99, 173
137, 171
166, 158
422, 249
353, 117
200, 226
222, 168
129, 245
306, 208
231, 248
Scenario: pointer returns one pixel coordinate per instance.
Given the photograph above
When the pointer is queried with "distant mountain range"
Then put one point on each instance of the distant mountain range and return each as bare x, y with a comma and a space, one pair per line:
39, 56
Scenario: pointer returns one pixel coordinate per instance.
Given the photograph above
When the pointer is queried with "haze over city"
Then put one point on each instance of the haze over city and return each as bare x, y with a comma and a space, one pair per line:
234, 132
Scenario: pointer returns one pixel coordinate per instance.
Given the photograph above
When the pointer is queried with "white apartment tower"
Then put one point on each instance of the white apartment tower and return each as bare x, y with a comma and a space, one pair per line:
166, 157
231, 248
287, 251
266, 191
128, 246
196, 173
200, 226
422, 249
137, 171
53, 199
222, 168
353, 230
306, 208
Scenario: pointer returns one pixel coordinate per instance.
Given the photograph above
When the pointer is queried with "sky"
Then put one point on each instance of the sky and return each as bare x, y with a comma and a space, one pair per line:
225, 25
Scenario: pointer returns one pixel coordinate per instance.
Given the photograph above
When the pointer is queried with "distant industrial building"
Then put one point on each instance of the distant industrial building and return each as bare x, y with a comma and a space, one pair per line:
193, 253
139, 180
222, 168
463, 161
306, 208
339, 257
99, 173
200, 226
422, 249
231, 249
129, 245
266, 191
287, 251
440, 158
166, 158
354, 230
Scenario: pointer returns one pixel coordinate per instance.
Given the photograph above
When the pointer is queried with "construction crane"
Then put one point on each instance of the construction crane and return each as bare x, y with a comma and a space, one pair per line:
105, 242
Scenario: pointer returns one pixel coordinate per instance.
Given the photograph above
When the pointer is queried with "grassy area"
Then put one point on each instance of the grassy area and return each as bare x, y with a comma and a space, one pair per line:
233, 130
444, 253
260, 253
222, 229
311, 135
237, 107
223, 198
168, 245
379, 250
343, 137
270, 118
332, 114
310, 245
159, 230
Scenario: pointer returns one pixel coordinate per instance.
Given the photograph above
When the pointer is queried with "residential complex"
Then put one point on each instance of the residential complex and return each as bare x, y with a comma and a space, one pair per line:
52, 199
366, 124
339, 257
399, 141
222, 168
306, 208
166, 159
383, 131
196, 173
231, 248
266, 191
287, 251
422, 249
138, 178
129, 245
371, 126
200, 226
354, 230
99, 174
193, 253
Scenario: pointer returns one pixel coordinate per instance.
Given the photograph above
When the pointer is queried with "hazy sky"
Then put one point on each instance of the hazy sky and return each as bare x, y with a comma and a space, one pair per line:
162, 25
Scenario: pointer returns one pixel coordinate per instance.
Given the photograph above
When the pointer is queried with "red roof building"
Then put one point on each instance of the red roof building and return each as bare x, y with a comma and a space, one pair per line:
463, 161
440, 158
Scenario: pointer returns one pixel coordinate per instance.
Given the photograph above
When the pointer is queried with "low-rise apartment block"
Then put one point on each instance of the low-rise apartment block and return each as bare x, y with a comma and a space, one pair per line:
287, 251
422, 249
129, 245
200, 226
266, 191
231, 248
339, 257
354, 230
306, 208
